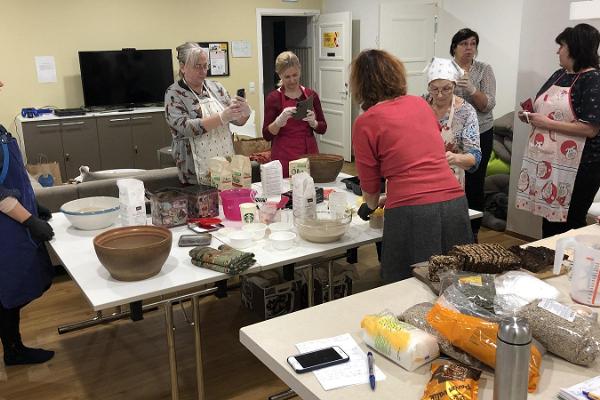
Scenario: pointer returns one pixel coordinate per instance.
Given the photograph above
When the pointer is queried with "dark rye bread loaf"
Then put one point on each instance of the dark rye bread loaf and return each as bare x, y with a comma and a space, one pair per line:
534, 259
488, 258
439, 264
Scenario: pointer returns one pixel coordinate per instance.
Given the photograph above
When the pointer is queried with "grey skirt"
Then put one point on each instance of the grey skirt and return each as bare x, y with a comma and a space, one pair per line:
412, 234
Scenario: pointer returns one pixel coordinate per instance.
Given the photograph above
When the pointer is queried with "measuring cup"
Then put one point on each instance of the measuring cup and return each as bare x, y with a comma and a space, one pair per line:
586, 264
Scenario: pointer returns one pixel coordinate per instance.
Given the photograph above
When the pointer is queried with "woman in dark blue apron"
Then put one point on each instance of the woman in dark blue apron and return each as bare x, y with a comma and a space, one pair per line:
25, 268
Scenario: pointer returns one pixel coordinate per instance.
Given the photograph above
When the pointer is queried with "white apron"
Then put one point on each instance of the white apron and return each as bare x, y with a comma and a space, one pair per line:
452, 145
551, 160
214, 143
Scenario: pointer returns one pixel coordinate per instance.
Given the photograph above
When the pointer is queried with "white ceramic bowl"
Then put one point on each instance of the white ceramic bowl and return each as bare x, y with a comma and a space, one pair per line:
91, 213
280, 227
256, 229
282, 240
240, 239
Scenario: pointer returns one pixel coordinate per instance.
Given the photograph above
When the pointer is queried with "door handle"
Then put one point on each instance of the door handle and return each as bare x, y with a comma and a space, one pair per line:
46, 125
119, 119
67, 156
73, 123
135, 149
144, 117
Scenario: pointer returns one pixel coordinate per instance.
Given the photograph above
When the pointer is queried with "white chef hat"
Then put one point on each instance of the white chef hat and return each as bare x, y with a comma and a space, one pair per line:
443, 68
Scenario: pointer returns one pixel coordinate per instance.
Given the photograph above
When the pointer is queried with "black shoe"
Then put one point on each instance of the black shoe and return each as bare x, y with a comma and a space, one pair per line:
21, 355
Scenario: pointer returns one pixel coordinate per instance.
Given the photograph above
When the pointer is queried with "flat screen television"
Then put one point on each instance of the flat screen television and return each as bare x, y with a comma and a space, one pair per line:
125, 77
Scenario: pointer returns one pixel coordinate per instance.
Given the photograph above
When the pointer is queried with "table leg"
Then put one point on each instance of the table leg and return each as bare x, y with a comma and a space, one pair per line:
330, 279
310, 286
171, 348
198, 348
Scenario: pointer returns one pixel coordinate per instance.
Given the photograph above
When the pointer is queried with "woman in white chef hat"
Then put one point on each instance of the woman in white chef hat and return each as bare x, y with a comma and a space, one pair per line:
457, 118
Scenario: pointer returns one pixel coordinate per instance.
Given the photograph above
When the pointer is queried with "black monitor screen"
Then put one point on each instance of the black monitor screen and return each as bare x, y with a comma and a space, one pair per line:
124, 77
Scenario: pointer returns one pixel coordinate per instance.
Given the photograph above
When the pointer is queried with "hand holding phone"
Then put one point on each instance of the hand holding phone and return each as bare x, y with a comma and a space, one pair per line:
527, 105
313, 360
241, 93
302, 108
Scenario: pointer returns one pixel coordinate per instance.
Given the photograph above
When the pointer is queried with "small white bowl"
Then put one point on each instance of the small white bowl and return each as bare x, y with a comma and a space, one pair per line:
256, 229
240, 239
280, 227
282, 240
91, 213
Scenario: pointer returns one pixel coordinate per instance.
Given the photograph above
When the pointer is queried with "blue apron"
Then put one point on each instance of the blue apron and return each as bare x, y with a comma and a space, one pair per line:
25, 268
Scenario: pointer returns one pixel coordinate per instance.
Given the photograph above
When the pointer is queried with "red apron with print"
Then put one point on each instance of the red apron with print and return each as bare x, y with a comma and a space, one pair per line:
551, 160
294, 139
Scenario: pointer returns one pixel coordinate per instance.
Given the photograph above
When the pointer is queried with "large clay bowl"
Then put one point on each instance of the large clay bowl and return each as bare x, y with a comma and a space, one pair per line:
133, 253
324, 167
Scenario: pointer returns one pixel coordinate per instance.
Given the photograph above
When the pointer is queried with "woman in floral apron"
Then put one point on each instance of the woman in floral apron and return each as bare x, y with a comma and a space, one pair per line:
198, 112
457, 118
291, 137
561, 165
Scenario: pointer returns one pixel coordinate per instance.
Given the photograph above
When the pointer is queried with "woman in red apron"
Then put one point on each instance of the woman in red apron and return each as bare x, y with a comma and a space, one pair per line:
561, 165
290, 138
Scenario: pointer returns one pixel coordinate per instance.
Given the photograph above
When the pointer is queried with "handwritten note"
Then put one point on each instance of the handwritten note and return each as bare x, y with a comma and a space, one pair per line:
353, 372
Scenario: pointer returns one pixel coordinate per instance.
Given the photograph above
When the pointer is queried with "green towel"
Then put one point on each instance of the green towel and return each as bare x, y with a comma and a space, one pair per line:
225, 259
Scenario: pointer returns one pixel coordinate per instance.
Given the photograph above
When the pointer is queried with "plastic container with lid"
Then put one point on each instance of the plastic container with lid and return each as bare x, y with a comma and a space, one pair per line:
231, 200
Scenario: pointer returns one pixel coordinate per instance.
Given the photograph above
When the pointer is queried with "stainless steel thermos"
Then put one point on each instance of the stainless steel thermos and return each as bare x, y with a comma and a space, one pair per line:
512, 359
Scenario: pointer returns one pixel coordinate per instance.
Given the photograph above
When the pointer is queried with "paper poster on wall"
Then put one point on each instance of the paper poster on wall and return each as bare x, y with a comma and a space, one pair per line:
241, 48
218, 58
45, 68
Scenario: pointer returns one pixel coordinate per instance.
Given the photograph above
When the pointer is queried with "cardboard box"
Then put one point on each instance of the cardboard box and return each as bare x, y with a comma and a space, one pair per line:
269, 299
342, 284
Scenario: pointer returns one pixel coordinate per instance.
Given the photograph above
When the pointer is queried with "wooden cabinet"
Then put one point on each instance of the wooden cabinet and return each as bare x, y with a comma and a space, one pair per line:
70, 142
100, 141
132, 141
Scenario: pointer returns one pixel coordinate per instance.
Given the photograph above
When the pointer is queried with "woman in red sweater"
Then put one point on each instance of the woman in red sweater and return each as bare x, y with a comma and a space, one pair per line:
398, 138
291, 137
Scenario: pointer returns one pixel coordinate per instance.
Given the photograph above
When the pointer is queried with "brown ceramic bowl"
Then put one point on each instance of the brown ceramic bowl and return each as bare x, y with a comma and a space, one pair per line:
324, 167
133, 253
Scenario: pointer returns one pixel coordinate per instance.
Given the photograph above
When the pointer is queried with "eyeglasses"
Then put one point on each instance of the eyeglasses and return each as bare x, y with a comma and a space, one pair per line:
444, 90
201, 66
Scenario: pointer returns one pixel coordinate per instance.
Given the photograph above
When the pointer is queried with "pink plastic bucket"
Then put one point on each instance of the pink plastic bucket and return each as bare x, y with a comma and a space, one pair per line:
231, 200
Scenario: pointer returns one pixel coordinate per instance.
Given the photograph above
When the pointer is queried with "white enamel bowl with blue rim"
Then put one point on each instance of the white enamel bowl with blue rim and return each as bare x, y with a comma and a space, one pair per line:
91, 213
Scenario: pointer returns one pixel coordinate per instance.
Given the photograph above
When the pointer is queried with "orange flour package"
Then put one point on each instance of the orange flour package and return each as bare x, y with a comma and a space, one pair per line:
451, 380
478, 338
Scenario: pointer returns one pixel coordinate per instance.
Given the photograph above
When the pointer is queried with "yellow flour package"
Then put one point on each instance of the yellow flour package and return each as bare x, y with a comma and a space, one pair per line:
402, 343
451, 380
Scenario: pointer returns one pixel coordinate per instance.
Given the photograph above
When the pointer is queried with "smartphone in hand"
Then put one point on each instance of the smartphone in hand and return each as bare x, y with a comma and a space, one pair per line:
302, 108
241, 93
527, 105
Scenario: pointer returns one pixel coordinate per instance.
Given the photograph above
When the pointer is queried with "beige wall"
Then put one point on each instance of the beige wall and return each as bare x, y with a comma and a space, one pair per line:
60, 28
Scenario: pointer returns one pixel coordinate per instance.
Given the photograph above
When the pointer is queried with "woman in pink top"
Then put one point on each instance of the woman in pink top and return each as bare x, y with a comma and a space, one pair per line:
398, 138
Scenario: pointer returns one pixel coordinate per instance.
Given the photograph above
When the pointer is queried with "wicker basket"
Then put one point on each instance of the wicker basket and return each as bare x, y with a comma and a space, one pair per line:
324, 167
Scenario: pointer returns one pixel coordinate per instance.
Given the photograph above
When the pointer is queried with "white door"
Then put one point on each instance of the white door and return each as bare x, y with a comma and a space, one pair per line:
408, 31
332, 59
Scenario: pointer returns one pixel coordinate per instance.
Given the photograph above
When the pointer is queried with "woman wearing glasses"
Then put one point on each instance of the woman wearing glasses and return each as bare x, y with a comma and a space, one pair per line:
198, 112
457, 118
398, 138
478, 87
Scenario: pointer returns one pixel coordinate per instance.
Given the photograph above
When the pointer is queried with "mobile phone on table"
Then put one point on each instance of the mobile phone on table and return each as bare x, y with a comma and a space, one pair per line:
198, 229
302, 108
527, 105
241, 92
202, 239
317, 359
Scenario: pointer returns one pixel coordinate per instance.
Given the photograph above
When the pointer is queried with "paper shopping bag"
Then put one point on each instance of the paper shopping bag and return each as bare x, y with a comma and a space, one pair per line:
47, 173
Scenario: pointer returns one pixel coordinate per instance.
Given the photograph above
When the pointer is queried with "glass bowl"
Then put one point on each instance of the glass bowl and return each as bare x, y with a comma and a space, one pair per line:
326, 227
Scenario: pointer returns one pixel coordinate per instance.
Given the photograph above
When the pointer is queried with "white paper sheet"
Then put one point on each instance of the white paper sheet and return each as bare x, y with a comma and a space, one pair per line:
241, 48
46, 69
576, 392
353, 372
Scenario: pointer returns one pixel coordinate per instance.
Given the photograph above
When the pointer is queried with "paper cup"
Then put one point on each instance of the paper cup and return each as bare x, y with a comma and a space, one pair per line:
248, 212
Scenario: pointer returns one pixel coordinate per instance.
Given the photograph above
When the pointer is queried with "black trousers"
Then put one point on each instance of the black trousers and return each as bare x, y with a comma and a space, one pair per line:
474, 182
585, 188
10, 319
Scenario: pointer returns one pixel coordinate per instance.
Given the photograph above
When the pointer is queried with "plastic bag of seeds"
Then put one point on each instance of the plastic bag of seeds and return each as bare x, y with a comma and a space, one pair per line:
479, 289
563, 331
415, 316
454, 299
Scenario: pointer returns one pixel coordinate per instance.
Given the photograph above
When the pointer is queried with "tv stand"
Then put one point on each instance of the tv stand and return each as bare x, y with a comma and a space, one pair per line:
102, 140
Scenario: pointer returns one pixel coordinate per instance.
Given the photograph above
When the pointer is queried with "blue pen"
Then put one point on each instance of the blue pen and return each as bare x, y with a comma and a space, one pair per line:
371, 361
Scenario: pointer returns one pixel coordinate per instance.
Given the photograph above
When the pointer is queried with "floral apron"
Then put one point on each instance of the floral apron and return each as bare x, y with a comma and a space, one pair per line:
214, 143
451, 144
551, 159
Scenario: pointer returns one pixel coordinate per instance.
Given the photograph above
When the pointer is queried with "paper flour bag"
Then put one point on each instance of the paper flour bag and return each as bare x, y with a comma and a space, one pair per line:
132, 202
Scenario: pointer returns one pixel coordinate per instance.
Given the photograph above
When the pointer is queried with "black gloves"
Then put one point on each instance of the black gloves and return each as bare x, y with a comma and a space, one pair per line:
44, 213
364, 212
40, 231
